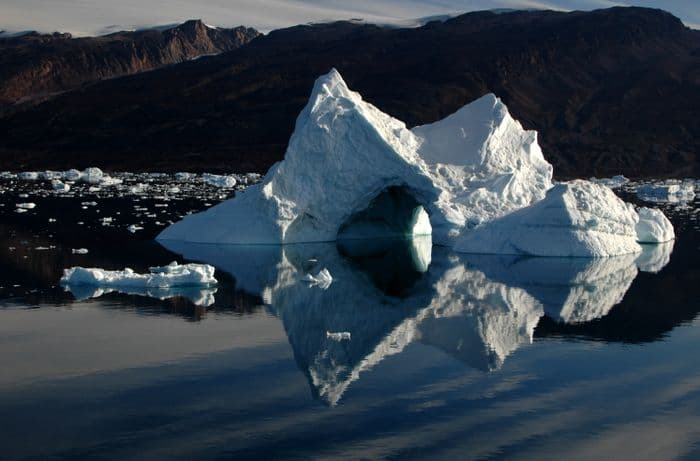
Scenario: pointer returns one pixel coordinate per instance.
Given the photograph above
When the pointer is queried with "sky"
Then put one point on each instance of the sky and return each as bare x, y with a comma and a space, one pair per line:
95, 17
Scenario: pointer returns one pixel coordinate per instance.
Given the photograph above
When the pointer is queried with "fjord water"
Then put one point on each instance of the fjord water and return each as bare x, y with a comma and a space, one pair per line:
448, 356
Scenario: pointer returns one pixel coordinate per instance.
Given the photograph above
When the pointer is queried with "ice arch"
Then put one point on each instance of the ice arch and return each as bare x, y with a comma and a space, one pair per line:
394, 212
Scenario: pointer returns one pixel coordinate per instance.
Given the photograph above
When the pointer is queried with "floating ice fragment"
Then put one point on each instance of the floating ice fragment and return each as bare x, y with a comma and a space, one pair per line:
29, 175
172, 275
79, 251
613, 183
667, 191
26, 206
59, 186
323, 279
653, 226
339, 336
133, 228
219, 180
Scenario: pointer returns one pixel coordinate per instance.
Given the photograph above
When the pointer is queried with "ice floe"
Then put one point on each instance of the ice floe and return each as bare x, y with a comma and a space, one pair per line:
172, 275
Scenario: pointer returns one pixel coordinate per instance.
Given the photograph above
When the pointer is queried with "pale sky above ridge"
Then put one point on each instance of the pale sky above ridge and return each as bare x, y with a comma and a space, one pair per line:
95, 17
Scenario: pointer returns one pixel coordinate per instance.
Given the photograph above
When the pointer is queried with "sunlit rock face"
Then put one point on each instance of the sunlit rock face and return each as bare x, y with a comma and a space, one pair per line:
387, 295
344, 154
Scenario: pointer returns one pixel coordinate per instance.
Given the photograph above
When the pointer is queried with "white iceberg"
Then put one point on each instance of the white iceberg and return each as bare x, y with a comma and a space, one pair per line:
578, 218
476, 179
345, 153
172, 275
219, 180
654, 226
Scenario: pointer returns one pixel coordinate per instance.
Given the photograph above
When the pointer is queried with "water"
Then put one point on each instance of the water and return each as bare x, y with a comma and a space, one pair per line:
448, 356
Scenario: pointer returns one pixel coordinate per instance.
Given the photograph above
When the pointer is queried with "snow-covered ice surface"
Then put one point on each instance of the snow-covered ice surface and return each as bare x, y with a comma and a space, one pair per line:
475, 180
578, 218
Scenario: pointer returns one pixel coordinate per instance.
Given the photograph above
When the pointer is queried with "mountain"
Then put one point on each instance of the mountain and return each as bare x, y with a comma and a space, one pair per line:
36, 65
609, 91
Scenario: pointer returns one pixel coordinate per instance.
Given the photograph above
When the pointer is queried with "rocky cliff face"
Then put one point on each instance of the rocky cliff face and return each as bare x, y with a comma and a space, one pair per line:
36, 66
609, 91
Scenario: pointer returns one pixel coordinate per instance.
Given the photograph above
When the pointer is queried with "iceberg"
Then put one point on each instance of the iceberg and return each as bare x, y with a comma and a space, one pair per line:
578, 219
475, 180
654, 226
347, 161
172, 275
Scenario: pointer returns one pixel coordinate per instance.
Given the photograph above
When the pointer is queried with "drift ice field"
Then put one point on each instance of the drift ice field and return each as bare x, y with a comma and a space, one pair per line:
476, 181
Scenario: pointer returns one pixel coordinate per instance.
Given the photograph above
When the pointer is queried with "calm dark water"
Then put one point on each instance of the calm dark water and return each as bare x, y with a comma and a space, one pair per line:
448, 356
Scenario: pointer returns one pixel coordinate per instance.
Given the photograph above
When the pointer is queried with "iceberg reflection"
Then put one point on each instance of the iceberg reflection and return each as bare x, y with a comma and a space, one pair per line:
199, 296
388, 294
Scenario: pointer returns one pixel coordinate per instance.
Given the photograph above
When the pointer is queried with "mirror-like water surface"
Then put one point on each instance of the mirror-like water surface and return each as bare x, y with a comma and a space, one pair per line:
412, 351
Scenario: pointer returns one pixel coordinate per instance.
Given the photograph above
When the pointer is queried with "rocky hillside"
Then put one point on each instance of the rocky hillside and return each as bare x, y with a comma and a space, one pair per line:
35, 65
610, 91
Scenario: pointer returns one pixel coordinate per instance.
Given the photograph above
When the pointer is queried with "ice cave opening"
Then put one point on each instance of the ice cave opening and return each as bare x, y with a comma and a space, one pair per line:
393, 213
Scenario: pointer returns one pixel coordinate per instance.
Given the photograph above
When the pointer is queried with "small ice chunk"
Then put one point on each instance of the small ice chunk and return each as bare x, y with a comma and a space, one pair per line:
219, 180
133, 228
79, 251
653, 226
92, 175
613, 183
59, 186
339, 336
671, 191
72, 175
29, 175
182, 176
26, 206
323, 279
108, 181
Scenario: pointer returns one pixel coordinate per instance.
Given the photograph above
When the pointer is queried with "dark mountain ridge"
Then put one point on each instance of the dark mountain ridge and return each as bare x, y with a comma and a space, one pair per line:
34, 65
610, 91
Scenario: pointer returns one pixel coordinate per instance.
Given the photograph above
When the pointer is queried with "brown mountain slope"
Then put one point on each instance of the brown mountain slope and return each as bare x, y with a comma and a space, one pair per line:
36, 65
610, 91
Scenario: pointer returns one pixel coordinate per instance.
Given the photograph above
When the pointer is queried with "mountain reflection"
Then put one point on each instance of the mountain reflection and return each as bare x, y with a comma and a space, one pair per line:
388, 294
